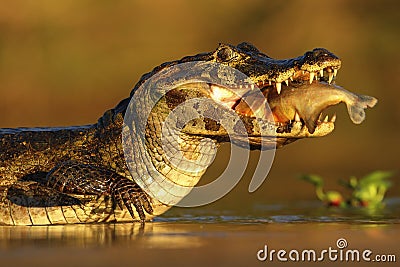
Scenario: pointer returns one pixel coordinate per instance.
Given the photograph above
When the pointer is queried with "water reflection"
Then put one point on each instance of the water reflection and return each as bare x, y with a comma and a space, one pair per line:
70, 235
152, 235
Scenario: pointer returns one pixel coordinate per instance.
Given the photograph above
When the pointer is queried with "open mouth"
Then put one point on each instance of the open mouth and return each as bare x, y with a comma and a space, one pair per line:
277, 101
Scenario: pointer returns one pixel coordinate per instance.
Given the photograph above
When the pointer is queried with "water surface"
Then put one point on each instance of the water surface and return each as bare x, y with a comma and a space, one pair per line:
208, 237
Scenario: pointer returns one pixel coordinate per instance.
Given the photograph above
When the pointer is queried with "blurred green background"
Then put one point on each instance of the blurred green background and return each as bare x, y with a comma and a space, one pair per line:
65, 62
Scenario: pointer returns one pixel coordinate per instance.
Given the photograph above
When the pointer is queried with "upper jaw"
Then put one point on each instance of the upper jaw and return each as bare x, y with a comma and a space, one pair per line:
296, 70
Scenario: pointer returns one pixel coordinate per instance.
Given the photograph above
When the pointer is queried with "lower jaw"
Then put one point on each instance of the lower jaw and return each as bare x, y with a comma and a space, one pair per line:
294, 129
299, 130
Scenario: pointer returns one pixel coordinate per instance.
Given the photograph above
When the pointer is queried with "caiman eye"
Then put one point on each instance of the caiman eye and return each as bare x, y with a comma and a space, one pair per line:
225, 54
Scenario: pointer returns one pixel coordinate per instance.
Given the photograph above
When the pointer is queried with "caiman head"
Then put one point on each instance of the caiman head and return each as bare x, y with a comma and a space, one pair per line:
290, 95
178, 113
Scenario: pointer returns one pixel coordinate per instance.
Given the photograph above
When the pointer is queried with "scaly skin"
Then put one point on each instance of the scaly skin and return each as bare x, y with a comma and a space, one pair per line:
79, 174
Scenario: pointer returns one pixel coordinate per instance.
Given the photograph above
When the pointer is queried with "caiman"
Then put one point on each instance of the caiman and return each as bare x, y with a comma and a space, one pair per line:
80, 174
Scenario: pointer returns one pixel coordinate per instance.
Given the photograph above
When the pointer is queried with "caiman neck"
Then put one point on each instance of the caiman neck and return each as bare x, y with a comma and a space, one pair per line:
165, 161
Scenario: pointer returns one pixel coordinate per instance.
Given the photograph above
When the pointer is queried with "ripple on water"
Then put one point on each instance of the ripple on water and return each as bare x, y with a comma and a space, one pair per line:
299, 212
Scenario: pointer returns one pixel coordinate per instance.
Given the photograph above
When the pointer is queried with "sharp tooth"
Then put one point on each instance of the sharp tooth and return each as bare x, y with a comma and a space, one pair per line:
335, 72
303, 72
252, 86
320, 117
278, 87
321, 73
333, 119
330, 77
311, 77
269, 82
297, 117
287, 82
326, 118
291, 78
240, 86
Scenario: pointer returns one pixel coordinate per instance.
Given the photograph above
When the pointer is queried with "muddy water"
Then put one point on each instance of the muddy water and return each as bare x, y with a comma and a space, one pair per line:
209, 237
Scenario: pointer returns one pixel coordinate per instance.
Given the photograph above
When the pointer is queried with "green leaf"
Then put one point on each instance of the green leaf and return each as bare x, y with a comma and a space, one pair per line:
375, 177
313, 179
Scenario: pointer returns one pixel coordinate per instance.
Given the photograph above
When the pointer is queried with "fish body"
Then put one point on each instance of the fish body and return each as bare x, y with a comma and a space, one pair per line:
307, 102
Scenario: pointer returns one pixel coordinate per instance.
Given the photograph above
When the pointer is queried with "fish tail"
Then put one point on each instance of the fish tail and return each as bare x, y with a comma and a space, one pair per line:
356, 108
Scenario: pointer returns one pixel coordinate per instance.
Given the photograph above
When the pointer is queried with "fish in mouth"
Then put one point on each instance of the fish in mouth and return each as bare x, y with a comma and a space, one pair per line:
305, 103
294, 92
